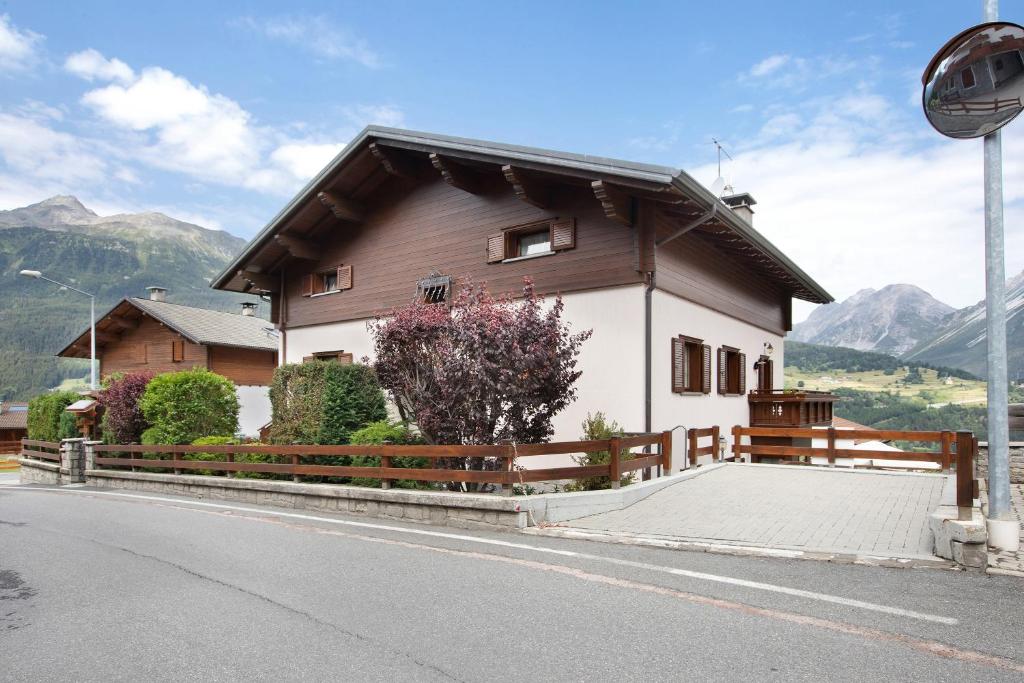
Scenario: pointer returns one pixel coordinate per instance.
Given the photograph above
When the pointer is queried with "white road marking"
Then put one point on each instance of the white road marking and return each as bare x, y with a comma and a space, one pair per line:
703, 576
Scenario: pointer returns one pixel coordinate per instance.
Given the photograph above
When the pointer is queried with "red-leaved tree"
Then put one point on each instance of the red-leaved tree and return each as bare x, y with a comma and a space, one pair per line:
484, 371
122, 420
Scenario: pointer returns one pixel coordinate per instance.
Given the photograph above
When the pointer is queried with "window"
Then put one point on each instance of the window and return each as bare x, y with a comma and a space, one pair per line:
177, 351
338, 356
434, 289
732, 371
327, 281
532, 239
691, 366
967, 77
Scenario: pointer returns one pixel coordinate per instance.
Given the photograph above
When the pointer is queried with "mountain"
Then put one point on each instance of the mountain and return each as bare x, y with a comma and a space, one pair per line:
110, 256
960, 340
891, 320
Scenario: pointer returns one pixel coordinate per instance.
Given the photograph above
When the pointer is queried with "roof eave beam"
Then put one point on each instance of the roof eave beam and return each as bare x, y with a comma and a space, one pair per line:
343, 208
298, 248
617, 205
526, 187
260, 281
696, 223
393, 162
457, 175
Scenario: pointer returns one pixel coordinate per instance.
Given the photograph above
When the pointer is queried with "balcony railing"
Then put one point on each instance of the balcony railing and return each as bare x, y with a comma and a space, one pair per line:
786, 408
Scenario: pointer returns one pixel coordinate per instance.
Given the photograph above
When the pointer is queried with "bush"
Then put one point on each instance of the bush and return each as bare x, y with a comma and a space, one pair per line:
184, 406
323, 402
207, 457
597, 428
123, 422
68, 426
382, 432
44, 413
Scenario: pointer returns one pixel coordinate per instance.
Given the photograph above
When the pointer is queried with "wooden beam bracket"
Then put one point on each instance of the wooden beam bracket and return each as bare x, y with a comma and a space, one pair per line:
259, 281
343, 208
457, 175
298, 247
617, 205
527, 188
394, 163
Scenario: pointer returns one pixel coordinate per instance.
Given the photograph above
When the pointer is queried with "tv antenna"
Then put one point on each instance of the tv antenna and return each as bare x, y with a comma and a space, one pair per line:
719, 184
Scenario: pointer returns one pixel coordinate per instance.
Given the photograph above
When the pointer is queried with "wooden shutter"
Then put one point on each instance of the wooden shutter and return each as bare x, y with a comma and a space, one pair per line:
743, 373
307, 285
177, 351
678, 365
344, 277
723, 371
705, 378
496, 247
563, 234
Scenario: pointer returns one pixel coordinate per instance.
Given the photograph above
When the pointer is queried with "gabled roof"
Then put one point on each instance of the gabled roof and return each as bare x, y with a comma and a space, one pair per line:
372, 155
13, 415
198, 325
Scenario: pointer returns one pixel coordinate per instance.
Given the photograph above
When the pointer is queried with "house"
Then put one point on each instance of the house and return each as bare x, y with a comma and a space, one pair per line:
158, 336
13, 426
682, 294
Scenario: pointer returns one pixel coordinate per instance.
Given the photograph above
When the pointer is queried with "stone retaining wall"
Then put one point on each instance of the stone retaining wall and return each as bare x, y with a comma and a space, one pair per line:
1016, 462
40, 472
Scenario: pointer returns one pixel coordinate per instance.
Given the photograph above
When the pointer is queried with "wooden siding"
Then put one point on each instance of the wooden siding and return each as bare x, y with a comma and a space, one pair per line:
693, 269
148, 347
412, 230
244, 367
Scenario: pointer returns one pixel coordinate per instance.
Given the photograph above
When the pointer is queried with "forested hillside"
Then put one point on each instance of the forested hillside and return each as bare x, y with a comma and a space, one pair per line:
104, 256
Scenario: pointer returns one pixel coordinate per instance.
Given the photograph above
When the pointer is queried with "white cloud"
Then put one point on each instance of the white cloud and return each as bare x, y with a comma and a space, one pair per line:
316, 34
304, 160
770, 65
91, 65
17, 46
34, 150
861, 195
380, 114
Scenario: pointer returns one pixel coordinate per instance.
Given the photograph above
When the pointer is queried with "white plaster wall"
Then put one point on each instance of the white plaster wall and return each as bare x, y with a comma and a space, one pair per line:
253, 409
673, 316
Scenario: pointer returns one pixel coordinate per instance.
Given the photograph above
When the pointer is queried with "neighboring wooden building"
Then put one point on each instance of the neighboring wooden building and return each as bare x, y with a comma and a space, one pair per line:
643, 255
157, 336
13, 426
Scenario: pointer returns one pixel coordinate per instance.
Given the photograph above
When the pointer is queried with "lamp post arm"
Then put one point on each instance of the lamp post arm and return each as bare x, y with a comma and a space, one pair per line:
65, 286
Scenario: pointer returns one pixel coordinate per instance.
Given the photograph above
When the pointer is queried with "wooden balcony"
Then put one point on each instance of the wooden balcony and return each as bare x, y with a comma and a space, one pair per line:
782, 408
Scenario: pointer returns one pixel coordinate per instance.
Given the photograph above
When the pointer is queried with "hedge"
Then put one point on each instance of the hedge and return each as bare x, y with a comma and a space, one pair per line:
323, 402
188, 405
44, 413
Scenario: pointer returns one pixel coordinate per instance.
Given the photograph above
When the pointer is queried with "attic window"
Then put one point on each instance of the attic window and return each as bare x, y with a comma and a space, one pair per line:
326, 281
435, 289
532, 239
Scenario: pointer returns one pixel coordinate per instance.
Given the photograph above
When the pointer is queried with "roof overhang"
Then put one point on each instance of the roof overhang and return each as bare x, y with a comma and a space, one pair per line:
660, 183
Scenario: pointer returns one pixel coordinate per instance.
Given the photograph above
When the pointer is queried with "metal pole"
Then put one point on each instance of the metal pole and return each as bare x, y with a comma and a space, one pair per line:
92, 341
995, 317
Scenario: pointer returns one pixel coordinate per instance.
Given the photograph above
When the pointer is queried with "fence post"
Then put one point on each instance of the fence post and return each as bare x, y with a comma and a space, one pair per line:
666, 453
295, 461
507, 487
737, 456
691, 442
229, 457
72, 459
964, 474
947, 450
89, 456
174, 459
716, 448
614, 466
831, 446
385, 462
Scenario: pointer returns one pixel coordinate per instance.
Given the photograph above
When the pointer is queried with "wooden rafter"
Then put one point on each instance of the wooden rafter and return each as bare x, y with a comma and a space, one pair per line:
527, 188
343, 208
298, 247
123, 322
395, 163
260, 281
456, 174
617, 205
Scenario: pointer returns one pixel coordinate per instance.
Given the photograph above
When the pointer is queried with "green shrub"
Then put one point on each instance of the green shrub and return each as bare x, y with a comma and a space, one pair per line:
597, 428
323, 402
44, 414
184, 406
207, 457
68, 426
384, 432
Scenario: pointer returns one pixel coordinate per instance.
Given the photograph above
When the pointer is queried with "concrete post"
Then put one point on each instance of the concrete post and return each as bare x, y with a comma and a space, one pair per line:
72, 459
89, 456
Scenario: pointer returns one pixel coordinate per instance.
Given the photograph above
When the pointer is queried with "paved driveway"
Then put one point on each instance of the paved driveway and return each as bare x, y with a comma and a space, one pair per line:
799, 508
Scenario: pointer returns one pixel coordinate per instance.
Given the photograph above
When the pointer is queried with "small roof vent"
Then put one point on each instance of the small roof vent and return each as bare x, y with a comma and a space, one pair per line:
157, 293
248, 309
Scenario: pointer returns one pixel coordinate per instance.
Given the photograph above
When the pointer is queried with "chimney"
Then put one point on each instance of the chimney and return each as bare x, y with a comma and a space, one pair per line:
157, 293
741, 204
248, 309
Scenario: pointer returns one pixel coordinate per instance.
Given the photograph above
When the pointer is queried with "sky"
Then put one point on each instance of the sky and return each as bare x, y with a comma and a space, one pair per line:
217, 113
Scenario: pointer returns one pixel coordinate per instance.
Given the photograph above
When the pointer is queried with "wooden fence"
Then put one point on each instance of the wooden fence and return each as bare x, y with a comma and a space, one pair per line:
500, 460
954, 449
10, 447
695, 450
40, 450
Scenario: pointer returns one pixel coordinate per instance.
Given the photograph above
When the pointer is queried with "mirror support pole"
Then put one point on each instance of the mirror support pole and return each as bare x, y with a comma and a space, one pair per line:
995, 316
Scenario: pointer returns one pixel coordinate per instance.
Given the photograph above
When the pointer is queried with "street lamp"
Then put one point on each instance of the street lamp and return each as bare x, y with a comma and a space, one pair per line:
35, 274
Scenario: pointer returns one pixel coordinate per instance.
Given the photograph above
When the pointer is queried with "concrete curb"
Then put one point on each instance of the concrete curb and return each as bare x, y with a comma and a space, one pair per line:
961, 540
709, 546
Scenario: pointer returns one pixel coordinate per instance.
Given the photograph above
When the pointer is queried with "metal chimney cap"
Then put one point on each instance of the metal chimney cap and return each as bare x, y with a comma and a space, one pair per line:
156, 293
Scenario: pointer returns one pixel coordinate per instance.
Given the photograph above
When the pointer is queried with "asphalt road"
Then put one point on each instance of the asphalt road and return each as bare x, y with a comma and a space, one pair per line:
101, 586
